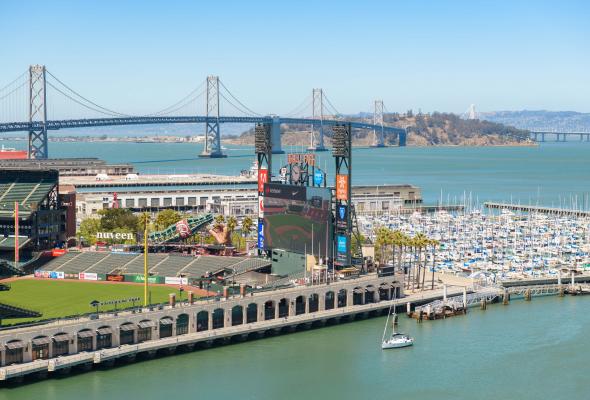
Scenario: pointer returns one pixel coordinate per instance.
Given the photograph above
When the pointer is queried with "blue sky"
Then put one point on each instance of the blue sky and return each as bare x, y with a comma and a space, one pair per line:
139, 56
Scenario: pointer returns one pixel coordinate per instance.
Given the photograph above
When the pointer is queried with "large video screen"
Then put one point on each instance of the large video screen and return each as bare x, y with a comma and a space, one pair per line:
297, 218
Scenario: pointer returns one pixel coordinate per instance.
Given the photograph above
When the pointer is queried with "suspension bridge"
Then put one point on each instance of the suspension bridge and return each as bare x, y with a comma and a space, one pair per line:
37, 102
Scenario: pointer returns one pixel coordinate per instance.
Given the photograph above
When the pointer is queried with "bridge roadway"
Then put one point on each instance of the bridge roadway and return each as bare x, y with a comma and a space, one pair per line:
539, 136
229, 332
91, 122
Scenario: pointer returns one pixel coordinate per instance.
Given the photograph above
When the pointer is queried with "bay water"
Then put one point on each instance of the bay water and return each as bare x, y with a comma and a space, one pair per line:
527, 350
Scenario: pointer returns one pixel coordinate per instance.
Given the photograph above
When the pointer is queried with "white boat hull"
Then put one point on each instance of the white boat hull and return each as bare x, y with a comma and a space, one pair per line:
396, 344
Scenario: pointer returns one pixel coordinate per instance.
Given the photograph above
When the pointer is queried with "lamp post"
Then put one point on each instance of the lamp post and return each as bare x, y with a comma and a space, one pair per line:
95, 303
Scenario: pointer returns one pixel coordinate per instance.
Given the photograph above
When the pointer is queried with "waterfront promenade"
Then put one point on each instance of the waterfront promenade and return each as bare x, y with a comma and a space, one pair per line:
125, 335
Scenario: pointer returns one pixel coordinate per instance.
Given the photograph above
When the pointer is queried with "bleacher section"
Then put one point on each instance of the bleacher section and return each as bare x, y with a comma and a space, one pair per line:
58, 262
111, 262
26, 190
158, 264
136, 266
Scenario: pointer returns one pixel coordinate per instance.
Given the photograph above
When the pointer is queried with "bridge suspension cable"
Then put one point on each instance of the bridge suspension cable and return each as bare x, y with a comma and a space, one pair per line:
304, 106
185, 101
13, 99
249, 110
331, 107
82, 99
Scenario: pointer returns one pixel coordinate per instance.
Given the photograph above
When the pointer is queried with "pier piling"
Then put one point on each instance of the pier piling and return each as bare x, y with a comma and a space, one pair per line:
527, 295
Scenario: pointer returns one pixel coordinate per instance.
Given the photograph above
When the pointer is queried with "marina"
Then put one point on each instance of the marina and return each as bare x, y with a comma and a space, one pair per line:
492, 247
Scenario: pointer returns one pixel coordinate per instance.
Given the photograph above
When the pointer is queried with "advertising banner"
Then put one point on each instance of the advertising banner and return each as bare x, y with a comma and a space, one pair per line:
57, 252
261, 207
342, 217
115, 278
342, 187
318, 178
288, 192
262, 179
88, 276
151, 279
342, 248
50, 274
261, 235
173, 280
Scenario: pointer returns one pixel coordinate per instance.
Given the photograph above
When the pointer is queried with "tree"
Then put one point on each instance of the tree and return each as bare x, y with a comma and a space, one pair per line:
434, 243
88, 230
142, 219
113, 218
219, 220
247, 226
232, 223
165, 218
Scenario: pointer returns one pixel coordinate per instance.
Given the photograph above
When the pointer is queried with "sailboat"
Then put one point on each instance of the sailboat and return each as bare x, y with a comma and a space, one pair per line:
397, 339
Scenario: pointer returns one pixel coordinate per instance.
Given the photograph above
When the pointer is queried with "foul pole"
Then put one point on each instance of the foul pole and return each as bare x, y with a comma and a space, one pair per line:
145, 262
16, 233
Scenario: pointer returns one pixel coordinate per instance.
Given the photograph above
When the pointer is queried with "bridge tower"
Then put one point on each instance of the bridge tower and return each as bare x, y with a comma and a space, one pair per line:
378, 135
317, 113
212, 133
37, 112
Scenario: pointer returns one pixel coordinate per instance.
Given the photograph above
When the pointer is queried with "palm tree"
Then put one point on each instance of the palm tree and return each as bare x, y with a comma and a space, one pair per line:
381, 242
247, 226
219, 220
231, 224
420, 241
434, 243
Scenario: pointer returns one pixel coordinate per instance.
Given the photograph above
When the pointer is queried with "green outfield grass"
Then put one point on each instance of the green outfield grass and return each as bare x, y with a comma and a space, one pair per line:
60, 298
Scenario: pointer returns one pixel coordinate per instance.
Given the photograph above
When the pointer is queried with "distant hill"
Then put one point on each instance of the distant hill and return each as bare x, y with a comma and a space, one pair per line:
423, 130
541, 120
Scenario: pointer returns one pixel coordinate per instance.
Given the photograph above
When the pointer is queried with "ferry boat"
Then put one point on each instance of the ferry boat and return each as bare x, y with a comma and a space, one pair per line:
9, 153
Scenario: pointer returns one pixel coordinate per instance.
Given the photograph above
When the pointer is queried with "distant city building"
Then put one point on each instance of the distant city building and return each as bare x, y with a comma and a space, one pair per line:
238, 200
70, 166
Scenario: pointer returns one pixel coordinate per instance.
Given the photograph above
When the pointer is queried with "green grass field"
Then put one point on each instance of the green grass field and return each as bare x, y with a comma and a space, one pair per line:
60, 298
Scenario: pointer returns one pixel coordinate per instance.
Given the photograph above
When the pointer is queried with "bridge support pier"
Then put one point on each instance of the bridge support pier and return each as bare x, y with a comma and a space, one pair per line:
402, 138
275, 134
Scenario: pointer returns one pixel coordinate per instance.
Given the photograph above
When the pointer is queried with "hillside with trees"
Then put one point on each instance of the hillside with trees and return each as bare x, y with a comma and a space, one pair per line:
423, 130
